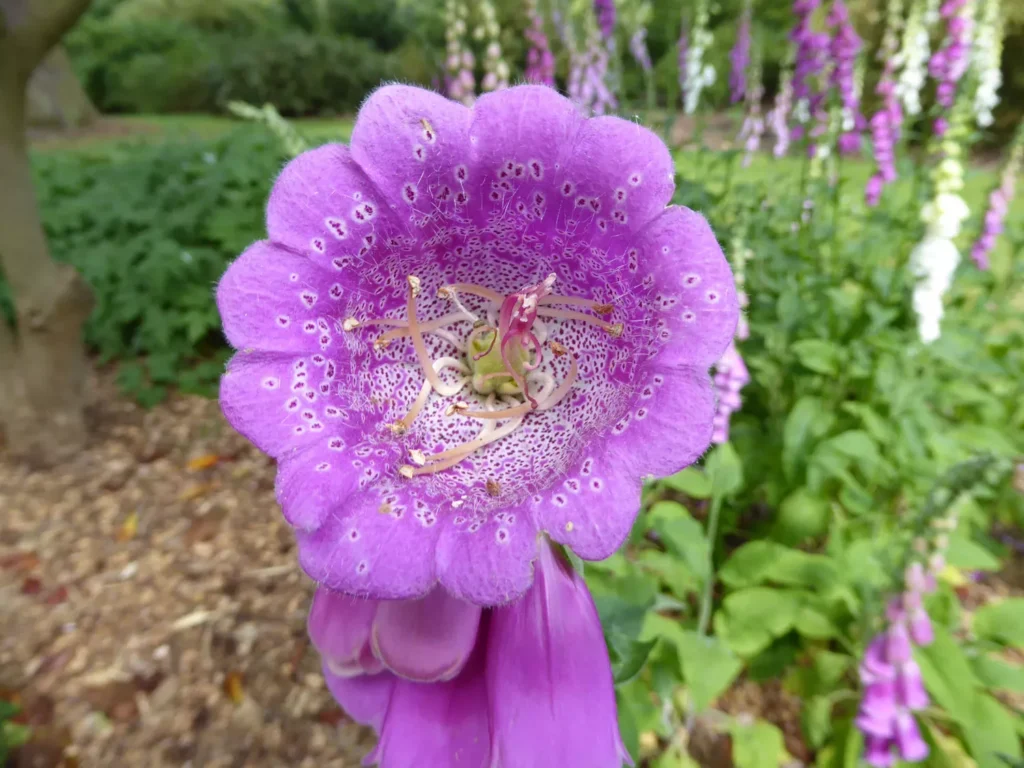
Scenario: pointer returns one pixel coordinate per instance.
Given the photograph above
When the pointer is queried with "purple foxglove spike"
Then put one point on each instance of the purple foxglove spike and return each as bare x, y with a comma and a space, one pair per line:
876, 665
921, 631
605, 12
739, 56
897, 646
910, 691
428, 639
878, 752
908, 738
548, 664
339, 627
405, 462
915, 578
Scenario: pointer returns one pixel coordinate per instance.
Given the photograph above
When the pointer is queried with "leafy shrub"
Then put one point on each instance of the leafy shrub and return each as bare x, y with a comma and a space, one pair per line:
161, 67
152, 228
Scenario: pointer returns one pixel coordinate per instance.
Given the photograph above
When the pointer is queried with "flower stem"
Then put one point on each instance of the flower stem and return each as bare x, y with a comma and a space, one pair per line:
704, 621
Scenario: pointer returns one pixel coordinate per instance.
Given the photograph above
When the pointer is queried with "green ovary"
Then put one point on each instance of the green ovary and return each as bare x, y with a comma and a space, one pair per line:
490, 374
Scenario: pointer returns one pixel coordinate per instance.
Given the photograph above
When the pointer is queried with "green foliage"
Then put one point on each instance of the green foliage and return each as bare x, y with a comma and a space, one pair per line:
12, 734
154, 66
152, 228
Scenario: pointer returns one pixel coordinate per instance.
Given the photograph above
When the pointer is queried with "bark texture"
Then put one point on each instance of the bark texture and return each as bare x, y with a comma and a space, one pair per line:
42, 358
56, 97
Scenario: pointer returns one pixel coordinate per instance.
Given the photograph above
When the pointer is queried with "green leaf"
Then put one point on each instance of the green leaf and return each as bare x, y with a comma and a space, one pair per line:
992, 733
813, 623
802, 515
1002, 622
762, 561
757, 745
725, 470
631, 659
948, 676
709, 667
966, 554
756, 616
816, 719
999, 674
807, 421
690, 481
682, 535
945, 751
817, 355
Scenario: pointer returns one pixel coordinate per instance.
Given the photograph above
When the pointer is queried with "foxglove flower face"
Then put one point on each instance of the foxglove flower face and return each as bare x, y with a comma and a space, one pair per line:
470, 327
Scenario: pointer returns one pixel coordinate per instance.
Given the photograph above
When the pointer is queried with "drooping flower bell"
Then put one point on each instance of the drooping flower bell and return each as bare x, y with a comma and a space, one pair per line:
445, 683
470, 327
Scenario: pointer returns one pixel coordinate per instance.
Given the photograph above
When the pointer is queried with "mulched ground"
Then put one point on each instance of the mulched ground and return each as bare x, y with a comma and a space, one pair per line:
151, 607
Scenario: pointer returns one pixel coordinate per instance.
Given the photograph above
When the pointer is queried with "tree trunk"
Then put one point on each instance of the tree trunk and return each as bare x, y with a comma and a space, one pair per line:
42, 360
56, 97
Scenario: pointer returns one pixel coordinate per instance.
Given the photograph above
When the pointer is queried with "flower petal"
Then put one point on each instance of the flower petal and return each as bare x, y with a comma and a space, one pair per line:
488, 562
268, 297
409, 141
339, 627
323, 206
315, 481
549, 680
284, 404
373, 547
438, 724
593, 509
428, 639
698, 307
365, 698
669, 426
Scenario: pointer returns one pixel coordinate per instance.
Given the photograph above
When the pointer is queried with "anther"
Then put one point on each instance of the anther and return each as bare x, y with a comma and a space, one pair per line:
417, 457
384, 509
414, 284
381, 342
604, 309
493, 488
615, 331
350, 324
557, 349
398, 428
407, 472
458, 407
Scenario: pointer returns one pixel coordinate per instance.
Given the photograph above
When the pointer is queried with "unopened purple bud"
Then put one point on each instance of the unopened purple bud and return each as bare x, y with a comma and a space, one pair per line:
908, 738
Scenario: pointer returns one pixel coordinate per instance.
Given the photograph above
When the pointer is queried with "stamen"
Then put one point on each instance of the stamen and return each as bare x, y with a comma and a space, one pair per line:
557, 349
456, 455
493, 488
417, 338
477, 331
563, 389
547, 389
458, 407
600, 308
425, 327
447, 291
613, 330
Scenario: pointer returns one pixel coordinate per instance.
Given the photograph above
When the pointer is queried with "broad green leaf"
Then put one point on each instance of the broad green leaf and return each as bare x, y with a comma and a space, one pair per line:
807, 421
690, 481
970, 556
725, 469
945, 751
817, 355
999, 674
756, 616
812, 623
1002, 621
682, 535
763, 561
802, 515
757, 745
948, 676
630, 660
709, 667
816, 718
671, 570
992, 733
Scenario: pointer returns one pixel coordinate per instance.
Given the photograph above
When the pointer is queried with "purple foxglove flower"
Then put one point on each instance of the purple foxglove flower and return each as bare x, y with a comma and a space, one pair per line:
605, 12
844, 48
921, 631
540, 63
638, 47
897, 647
912, 747
731, 376
432, 308
739, 56
949, 63
909, 688
998, 204
534, 687
878, 751
875, 664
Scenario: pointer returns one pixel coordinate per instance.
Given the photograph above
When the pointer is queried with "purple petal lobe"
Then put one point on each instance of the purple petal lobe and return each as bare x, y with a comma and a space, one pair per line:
339, 627
365, 698
428, 639
549, 678
438, 724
